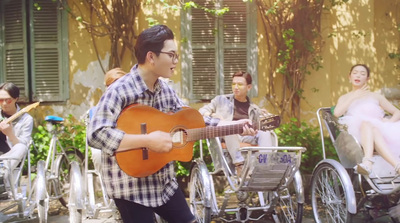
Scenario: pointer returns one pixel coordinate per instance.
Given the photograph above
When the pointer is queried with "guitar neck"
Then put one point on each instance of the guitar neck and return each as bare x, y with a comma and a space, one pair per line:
15, 116
213, 131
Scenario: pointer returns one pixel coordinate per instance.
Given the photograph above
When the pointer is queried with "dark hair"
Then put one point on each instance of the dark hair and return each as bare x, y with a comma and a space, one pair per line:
151, 39
363, 65
244, 74
11, 89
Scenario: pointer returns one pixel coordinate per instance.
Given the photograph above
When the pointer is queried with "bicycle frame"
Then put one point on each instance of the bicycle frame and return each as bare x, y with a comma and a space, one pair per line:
51, 154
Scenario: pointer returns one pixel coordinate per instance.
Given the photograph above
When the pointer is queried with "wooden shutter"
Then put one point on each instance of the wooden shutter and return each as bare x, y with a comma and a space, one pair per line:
219, 47
14, 53
203, 52
46, 53
234, 38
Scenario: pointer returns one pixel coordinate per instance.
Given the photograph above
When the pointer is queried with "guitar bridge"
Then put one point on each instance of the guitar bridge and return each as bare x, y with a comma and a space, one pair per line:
145, 152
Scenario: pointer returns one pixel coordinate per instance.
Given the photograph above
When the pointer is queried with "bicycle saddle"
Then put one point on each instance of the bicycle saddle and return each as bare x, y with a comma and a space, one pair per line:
53, 119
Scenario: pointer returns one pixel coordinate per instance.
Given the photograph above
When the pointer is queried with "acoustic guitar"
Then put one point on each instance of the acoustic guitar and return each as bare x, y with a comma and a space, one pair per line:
3, 142
185, 126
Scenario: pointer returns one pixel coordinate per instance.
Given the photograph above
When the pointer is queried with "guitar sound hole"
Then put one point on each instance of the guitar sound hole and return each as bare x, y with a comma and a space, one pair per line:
179, 137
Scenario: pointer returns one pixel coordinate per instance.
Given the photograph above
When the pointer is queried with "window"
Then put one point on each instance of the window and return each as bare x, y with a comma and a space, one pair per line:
33, 48
215, 47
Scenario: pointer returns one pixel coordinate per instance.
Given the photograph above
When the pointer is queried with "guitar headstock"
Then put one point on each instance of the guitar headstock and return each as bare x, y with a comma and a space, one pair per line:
31, 106
269, 122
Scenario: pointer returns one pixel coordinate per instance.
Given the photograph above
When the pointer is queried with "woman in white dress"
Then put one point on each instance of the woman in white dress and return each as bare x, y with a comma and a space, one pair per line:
363, 112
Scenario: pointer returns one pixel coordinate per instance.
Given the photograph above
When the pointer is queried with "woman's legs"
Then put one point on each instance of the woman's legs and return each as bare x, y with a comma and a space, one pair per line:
367, 143
383, 150
370, 138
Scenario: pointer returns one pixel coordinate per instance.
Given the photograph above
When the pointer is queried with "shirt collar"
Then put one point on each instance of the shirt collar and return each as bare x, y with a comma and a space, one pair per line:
139, 82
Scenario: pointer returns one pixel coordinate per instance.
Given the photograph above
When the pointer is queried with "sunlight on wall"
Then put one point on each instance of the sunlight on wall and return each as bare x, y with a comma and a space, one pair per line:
90, 84
355, 32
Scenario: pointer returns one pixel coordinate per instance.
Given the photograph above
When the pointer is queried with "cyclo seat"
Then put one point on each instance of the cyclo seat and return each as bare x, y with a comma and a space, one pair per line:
350, 153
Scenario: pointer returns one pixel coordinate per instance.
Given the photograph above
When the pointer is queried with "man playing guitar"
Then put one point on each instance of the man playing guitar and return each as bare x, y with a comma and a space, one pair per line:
17, 134
138, 198
15, 130
237, 106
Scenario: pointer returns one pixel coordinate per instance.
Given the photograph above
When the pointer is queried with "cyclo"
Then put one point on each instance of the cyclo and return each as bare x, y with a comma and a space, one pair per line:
83, 202
270, 184
338, 193
15, 189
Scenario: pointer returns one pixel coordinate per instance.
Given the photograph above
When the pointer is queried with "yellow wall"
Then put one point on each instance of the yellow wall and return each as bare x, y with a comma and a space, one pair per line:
375, 20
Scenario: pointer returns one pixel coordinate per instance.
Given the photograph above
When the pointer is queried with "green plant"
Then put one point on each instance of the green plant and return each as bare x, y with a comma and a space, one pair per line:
289, 134
41, 142
183, 168
293, 45
73, 134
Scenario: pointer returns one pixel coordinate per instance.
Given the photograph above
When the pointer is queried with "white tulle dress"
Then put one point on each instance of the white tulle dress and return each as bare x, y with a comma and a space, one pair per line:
368, 109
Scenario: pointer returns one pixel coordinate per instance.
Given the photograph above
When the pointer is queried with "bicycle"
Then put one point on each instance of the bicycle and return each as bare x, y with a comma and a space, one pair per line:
83, 200
53, 176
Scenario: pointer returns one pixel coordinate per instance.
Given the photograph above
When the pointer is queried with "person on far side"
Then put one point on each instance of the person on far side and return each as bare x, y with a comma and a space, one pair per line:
230, 108
363, 112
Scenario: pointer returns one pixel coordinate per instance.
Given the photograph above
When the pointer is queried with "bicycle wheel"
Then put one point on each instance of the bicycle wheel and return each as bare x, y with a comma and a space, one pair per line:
328, 196
199, 193
58, 188
75, 202
42, 201
288, 209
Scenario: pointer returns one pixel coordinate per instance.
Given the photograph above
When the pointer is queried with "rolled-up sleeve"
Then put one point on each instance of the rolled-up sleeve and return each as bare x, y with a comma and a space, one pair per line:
102, 131
207, 110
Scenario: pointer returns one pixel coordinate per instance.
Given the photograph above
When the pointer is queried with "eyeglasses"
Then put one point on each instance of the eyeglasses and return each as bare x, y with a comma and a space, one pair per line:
239, 85
173, 56
7, 100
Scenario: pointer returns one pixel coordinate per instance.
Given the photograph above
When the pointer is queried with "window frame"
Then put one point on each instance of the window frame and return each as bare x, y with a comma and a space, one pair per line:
187, 52
30, 89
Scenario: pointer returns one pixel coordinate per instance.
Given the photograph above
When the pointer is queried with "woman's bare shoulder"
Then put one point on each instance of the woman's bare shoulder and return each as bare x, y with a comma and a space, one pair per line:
344, 96
377, 95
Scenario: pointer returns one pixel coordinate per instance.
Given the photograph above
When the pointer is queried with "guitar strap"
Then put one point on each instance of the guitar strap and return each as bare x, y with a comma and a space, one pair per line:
4, 147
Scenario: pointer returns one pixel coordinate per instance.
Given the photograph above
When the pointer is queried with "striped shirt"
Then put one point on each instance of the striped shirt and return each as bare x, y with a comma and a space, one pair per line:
151, 191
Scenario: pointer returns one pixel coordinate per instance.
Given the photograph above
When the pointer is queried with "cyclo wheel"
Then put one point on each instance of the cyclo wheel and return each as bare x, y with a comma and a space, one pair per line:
199, 193
328, 196
59, 187
288, 209
76, 197
42, 200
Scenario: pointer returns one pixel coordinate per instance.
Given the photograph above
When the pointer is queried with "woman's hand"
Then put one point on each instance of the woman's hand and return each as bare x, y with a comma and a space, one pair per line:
364, 90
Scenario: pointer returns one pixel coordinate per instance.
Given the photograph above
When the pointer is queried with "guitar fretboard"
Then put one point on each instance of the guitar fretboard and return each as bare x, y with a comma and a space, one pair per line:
15, 116
213, 131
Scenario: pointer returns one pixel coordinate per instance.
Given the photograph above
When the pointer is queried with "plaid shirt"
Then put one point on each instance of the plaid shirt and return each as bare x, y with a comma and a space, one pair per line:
151, 191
